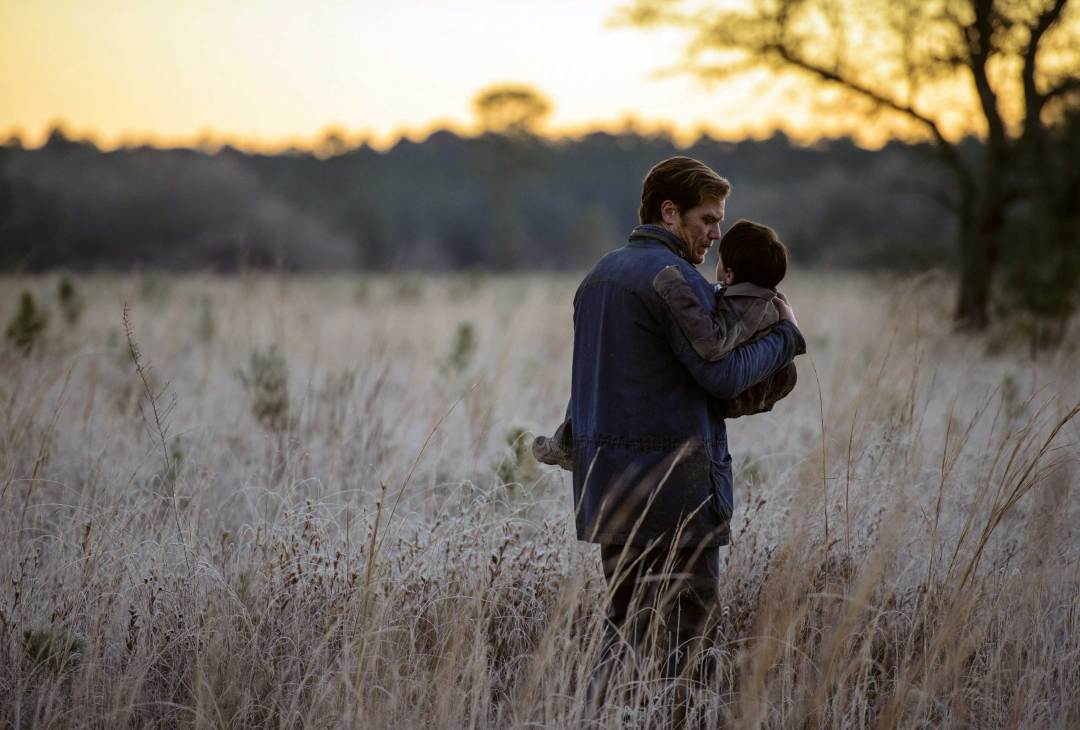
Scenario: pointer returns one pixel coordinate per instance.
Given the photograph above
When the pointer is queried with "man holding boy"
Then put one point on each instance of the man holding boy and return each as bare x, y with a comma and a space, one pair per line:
753, 261
652, 473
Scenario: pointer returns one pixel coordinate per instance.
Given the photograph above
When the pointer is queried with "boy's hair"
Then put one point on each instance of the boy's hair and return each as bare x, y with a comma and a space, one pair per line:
754, 253
684, 181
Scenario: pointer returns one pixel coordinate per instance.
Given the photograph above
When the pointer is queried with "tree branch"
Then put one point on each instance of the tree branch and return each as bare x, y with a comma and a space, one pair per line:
1033, 100
1066, 86
947, 148
980, 38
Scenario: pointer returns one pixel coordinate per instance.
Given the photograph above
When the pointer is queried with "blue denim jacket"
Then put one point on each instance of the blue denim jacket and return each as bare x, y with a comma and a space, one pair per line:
651, 462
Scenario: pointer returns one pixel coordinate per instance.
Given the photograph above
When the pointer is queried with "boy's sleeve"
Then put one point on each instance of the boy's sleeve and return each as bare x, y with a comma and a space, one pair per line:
762, 396
711, 335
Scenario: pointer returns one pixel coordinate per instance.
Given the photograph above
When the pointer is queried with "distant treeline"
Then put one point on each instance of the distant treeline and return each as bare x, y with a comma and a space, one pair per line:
449, 202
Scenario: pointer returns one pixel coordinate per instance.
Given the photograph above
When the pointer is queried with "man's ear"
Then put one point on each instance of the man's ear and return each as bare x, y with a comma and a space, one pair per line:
729, 277
669, 212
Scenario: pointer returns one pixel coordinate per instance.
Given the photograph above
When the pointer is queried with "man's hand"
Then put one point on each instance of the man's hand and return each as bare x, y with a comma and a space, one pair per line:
785, 310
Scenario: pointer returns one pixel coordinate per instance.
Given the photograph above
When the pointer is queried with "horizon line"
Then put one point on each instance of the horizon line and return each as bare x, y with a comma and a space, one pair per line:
341, 139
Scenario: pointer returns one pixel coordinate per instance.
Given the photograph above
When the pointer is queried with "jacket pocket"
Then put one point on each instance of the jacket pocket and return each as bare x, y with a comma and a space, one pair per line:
721, 479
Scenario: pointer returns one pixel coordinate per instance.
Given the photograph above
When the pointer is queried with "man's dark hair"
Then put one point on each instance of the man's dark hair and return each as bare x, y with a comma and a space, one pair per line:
754, 253
684, 181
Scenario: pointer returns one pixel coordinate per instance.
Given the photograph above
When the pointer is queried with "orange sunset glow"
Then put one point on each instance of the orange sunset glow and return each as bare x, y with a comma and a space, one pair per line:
267, 75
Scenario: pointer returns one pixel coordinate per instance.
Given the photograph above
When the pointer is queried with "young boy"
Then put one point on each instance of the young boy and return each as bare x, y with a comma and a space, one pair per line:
753, 261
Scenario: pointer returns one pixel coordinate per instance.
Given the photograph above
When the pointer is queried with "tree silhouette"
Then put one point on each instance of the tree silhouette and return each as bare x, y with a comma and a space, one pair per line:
332, 142
1011, 67
511, 109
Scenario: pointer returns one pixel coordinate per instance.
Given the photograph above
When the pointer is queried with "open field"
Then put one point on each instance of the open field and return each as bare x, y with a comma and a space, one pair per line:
326, 516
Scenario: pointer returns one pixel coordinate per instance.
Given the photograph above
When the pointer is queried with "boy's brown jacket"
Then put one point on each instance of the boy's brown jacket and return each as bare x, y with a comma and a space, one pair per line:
744, 313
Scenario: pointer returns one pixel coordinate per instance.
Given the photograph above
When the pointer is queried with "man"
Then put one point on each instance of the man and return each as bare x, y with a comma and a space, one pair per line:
652, 473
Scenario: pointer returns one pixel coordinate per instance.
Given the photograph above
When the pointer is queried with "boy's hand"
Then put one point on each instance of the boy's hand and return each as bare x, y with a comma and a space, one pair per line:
785, 310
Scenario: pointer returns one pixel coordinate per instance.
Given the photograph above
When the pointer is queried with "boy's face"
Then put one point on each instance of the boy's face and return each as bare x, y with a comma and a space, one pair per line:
725, 276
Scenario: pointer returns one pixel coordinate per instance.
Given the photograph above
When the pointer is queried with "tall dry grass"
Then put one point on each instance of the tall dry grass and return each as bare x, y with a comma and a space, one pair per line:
294, 514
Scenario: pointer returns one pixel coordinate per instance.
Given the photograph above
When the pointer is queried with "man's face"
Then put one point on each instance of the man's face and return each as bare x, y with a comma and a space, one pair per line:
698, 227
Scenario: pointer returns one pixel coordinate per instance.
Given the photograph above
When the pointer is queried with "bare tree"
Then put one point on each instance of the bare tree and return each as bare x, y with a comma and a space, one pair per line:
1006, 70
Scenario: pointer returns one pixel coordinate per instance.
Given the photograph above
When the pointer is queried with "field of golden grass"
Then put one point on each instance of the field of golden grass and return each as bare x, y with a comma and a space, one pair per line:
312, 505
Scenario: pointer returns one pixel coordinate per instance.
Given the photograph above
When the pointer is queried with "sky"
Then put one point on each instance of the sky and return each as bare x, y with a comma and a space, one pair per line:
271, 73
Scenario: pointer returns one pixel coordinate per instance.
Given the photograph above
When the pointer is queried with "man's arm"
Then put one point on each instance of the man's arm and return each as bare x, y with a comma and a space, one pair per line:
742, 367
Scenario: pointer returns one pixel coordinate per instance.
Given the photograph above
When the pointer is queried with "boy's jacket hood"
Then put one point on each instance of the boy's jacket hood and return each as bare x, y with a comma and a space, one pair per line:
746, 289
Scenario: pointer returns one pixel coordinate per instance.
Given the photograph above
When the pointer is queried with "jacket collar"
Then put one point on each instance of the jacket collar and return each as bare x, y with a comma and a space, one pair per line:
664, 236
746, 289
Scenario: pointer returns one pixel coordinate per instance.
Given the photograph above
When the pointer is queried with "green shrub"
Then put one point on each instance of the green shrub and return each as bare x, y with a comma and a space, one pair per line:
56, 650
267, 383
1041, 283
71, 301
28, 325
207, 327
518, 466
463, 347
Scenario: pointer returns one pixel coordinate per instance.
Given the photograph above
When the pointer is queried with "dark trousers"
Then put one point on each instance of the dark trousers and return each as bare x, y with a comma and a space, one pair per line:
662, 600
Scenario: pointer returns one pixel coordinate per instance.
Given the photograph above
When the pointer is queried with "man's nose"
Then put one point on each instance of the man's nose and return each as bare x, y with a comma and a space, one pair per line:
714, 233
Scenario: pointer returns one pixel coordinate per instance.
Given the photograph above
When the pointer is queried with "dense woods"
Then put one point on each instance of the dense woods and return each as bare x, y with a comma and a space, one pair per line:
449, 202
